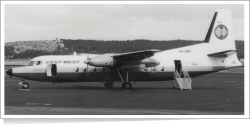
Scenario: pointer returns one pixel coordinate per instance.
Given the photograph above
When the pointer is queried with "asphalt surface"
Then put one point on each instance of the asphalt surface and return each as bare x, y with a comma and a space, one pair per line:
219, 93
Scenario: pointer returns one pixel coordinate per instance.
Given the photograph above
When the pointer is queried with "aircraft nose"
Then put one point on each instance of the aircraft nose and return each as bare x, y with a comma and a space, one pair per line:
9, 72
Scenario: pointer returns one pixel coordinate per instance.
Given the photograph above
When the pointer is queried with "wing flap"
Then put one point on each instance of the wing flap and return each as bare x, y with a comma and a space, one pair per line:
222, 54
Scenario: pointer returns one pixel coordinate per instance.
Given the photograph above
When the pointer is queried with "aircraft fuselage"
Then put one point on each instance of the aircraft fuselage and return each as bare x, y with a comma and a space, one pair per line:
71, 68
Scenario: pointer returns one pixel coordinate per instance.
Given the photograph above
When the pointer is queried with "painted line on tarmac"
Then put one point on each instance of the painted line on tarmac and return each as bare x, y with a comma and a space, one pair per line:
34, 104
47, 104
25, 89
229, 81
15, 110
30, 103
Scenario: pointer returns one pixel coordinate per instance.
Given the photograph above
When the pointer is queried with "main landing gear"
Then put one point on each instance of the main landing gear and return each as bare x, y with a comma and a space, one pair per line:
126, 85
24, 84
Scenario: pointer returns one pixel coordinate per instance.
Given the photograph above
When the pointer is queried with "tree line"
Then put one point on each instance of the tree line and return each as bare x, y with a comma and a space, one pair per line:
114, 46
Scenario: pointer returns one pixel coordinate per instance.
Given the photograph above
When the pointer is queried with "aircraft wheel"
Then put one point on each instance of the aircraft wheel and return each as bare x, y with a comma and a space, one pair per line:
127, 86
25, 85
108, 85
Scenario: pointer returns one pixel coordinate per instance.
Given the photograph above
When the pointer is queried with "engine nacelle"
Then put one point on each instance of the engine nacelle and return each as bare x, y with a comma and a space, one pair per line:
107, 60
102, 60
141, 66
149, 62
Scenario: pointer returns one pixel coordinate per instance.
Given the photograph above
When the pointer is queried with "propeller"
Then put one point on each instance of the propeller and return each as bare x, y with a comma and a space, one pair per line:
87, 62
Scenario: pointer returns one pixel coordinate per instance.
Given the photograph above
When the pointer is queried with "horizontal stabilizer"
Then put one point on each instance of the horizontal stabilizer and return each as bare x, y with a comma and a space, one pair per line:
223, 54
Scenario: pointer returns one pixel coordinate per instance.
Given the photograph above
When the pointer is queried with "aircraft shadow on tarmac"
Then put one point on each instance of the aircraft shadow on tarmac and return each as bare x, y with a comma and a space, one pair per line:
119, 88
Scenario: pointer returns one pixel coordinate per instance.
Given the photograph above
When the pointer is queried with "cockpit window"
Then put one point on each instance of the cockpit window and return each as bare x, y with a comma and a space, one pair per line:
38, 62
32, 63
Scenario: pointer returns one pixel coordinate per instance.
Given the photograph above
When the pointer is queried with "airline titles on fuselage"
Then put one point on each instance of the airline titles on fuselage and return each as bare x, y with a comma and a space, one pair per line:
63, 62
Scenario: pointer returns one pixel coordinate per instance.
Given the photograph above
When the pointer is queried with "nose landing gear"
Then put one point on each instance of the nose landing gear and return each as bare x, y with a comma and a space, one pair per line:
24, 85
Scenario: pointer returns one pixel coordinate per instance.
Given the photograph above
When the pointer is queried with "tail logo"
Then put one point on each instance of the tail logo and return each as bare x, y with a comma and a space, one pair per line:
221, 32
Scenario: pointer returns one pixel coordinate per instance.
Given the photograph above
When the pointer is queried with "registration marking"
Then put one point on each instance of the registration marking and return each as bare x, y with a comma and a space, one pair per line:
38, 69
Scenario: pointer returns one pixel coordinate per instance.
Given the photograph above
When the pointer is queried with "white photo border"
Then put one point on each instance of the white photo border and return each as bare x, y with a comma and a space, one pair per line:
246, 60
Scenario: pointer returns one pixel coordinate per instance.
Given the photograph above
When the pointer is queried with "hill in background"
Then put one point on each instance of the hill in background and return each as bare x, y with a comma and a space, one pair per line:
102, 46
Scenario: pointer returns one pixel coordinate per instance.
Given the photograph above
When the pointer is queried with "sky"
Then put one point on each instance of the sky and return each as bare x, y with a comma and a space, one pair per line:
114, 22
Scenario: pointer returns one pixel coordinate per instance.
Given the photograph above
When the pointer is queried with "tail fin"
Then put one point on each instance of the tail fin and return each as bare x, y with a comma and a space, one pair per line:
220, 39
220, 33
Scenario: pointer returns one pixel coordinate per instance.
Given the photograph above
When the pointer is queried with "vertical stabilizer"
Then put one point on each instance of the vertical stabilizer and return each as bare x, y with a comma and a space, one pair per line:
220, 35
210, 30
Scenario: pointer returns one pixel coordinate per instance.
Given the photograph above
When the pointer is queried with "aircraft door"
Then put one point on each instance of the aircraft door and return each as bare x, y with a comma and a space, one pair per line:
178, 67
51, 70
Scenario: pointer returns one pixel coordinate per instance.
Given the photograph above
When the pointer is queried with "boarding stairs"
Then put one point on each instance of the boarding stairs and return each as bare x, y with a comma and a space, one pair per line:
185, 82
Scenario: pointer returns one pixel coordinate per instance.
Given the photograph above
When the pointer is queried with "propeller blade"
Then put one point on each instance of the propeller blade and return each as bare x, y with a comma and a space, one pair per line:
88, 53
88, 63
87, 70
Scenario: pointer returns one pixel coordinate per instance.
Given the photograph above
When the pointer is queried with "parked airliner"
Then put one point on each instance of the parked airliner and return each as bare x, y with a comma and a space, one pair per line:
218, 52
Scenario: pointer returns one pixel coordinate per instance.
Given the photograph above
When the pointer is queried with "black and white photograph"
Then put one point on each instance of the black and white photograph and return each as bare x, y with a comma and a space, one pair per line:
124, 60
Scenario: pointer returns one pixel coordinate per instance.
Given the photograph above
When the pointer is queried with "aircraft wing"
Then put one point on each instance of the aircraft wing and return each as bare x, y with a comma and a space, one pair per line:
223, 54
138, 55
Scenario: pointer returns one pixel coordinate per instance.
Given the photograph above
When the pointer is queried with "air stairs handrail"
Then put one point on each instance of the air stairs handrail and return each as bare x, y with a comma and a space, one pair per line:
188, 79
178, 78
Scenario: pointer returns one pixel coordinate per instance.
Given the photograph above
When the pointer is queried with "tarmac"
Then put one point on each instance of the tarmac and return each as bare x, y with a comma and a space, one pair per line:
220, 93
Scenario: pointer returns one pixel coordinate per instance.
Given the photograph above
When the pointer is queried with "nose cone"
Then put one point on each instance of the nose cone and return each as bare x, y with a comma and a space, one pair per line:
9, 72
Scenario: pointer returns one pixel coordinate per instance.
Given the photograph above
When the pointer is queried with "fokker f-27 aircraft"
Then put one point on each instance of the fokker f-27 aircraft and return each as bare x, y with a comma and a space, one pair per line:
217, 53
